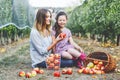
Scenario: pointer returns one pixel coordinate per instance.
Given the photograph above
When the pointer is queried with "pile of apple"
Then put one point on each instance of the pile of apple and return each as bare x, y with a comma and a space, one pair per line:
53, 62
33, 73
95, 67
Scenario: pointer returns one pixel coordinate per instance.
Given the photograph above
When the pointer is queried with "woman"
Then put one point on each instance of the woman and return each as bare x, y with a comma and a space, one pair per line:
40, 38
67, 48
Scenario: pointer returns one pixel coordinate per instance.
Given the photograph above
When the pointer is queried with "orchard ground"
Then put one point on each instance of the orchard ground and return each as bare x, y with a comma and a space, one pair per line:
15, 57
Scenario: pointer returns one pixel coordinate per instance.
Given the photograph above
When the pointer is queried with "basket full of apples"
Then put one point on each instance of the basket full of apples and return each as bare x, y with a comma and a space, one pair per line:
53, 62
101, 60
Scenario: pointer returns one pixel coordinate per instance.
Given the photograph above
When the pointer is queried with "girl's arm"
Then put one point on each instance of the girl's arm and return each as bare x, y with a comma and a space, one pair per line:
75, 45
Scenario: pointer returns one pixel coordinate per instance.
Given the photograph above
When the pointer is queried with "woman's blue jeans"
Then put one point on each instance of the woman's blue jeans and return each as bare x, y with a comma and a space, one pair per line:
64, 63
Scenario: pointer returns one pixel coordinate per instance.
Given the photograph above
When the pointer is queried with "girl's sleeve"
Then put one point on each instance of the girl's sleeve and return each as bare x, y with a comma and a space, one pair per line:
69, 33
37, 43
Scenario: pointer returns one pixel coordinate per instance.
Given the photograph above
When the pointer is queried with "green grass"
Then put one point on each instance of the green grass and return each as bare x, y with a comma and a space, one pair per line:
17, 57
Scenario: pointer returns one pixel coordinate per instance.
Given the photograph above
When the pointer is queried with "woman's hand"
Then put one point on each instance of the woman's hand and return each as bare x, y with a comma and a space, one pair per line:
59, 38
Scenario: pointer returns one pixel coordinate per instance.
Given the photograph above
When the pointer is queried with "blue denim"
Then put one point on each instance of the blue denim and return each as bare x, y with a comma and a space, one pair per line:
64, 63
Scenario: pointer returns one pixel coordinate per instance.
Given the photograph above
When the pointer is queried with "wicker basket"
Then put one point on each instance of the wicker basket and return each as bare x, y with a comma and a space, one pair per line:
108, 61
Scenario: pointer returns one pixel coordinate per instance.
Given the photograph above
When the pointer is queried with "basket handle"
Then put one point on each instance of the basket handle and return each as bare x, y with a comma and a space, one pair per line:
96, 59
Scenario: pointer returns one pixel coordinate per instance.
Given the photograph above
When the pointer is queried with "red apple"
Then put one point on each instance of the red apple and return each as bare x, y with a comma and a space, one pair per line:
56, 74
28, 75
56, 67
62, 35
69, 71
91, 71
57, 56
64, 71
86, 70
51, 59
41, 71
21, 73
102, 67
56, 62
36, 69
95, 62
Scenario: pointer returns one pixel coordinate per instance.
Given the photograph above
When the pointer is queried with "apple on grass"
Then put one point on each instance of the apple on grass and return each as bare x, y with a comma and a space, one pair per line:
36, 69
69, 71
21, 73
80, 70
64, 71
41, 71
56, 74
28, 75
33, 73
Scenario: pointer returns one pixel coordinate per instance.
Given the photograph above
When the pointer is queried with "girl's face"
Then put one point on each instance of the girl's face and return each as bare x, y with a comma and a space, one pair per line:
48, 18
62, 20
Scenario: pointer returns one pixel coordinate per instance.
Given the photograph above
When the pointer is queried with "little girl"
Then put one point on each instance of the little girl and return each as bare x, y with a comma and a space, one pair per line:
67, 48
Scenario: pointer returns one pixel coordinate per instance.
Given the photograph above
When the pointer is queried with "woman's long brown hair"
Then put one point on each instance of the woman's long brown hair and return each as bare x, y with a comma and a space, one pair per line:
40, 22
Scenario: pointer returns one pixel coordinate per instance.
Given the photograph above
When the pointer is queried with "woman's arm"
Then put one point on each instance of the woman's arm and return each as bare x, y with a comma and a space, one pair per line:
74, 44
53, 39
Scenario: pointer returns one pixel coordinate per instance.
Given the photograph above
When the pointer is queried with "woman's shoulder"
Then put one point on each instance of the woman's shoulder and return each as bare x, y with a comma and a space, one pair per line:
34, 31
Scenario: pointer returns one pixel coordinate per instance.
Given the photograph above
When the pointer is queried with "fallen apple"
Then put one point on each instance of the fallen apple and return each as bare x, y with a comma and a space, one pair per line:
64, 71
28, 75
33, 73
41, 71
36, 69
69, 71
56, 74
80, 71
21, 73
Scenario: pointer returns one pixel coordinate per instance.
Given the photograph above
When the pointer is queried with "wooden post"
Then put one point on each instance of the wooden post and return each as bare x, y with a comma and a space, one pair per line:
118, 40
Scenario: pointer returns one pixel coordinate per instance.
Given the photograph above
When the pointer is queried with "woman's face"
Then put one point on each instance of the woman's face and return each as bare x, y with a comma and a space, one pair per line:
48, 18
62, 21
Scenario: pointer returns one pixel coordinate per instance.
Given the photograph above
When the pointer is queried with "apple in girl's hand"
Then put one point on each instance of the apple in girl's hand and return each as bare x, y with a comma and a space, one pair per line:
69, 71
28, 75
33, 73
62, 35
21, 73
56, 74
